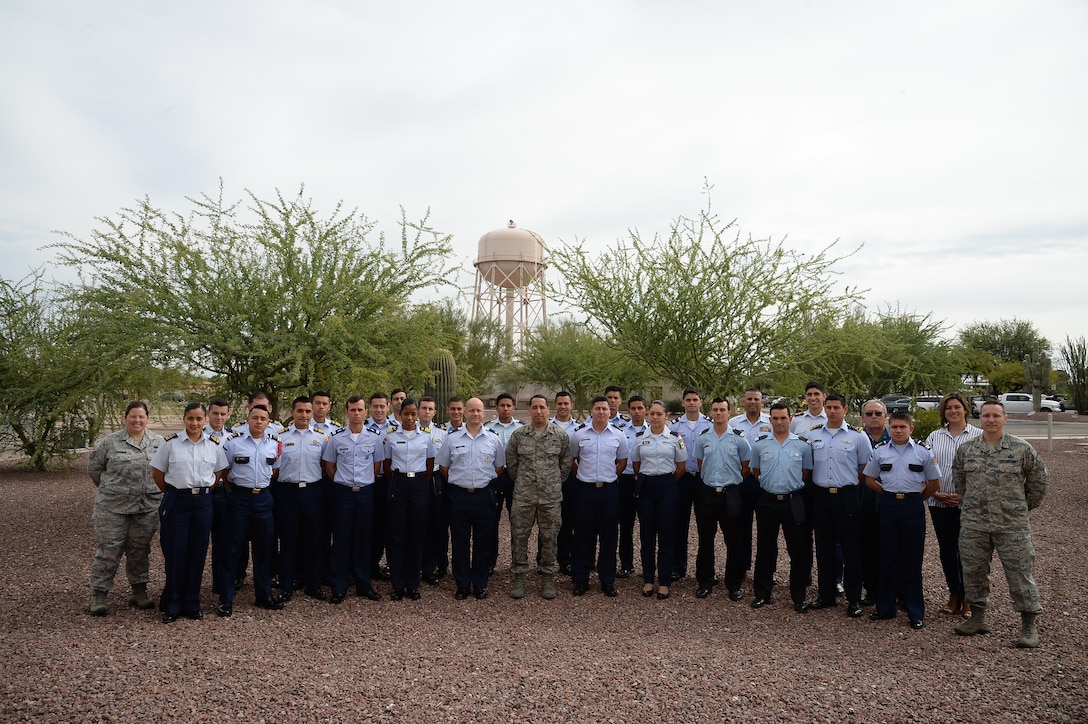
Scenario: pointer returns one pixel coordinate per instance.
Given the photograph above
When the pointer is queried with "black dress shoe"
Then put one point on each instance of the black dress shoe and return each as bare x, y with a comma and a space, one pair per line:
286, 596
624, 573
702, 592
867, 601
239, 583
610, 591
480, 594
224, 609
371, 595
662, 596
396, 595
916, 623
336, 598
413, 594
760, 602
431, 579
874, 616
566, 569
648, 592
677, 575
801, 607
383, 573
580, 589
316, 593
269, 604
194, 615
734, 596
821, 603
462, 594
169, 617
853, 609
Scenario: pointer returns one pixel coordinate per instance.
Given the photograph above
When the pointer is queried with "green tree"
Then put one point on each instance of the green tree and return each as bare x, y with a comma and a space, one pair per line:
1008, 377
480, 346
269, 295
1074, 354
59, 377
703, 306
569, 356
1009, 340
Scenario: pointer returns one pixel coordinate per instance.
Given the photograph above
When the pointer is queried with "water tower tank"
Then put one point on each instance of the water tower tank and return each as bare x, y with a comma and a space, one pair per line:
510, 258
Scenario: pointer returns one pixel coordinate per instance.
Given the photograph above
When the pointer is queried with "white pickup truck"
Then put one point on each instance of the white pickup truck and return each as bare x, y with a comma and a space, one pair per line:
1022, 402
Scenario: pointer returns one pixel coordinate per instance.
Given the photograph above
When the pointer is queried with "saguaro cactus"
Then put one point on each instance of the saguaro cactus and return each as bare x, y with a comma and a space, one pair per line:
444, 386
1037, 374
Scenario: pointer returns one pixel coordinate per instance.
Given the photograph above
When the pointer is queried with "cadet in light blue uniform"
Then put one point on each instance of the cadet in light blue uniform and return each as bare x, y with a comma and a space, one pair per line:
905, 473
564, 544
838, 454
754, 423
782, 462
659, 457
253, 456
815, 416
186, 468
689, 426
380, 424
470, 460
353, 459
600, 451
409, 464
722, 457
218, 430
636, 407
300, 504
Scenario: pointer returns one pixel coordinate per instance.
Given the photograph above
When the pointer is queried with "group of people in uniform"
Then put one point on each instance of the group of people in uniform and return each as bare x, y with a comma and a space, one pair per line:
314, 503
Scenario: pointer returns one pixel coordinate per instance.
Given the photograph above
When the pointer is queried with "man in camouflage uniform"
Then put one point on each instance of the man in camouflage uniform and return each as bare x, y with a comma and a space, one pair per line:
538, 458
1000, 478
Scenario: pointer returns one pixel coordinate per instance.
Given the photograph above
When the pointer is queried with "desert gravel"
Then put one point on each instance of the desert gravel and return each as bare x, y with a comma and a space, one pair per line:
589, 659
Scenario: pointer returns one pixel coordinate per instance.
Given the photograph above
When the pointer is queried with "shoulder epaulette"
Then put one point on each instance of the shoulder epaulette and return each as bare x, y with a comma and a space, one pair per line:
425, 429
738, 432
392, 428
492, 431
800, 437
580, 426
234, 435
674, 433
762, 437
339, 431
926, 445
214, 439
625, 417
816, 426
171, 436
882, 443
272, 436
704, 432
855, 429
640, 433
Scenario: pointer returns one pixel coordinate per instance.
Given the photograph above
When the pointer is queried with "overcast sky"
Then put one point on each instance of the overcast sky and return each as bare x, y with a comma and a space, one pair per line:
948, 138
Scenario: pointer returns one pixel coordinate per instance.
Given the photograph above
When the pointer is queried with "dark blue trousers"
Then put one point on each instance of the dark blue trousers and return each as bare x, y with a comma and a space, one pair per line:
835, 520
687, 489
773, 514
185, 520
472, 534
597, 517
251, 521
564, 542
503, 488
409, 505
902, 546
436, 550
299, 514
656, 524
720, 511
628, 508
352, 537
946, 526
379, 529
221, 565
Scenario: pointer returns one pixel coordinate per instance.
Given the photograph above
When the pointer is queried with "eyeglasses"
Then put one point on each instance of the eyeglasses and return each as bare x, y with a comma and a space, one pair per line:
871, 413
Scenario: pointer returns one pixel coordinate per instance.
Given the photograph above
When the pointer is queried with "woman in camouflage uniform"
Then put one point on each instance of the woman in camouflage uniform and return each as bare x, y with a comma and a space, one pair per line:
125, 507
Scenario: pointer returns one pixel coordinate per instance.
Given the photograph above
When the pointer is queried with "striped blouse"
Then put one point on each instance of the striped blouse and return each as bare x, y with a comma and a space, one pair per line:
944, 445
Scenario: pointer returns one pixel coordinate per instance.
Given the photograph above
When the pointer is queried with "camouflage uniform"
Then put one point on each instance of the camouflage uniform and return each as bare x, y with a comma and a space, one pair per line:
538, 462
999, 483
125, 507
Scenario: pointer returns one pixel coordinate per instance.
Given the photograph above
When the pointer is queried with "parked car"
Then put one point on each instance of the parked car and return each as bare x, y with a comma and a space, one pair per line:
976, 405
1023, 402
896, 403
927, 402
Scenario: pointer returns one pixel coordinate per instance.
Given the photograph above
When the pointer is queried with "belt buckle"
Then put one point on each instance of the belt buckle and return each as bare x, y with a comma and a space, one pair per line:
302, 485
255, 490
719, 489
470, 490
900, 496
408, 475
599, 485
356, 488
833, 491
780, 497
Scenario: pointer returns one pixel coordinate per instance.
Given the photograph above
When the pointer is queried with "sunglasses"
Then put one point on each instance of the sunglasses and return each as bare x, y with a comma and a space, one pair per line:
878, 413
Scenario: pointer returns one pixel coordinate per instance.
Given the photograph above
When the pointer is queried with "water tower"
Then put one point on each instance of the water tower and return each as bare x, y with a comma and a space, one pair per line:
510, 280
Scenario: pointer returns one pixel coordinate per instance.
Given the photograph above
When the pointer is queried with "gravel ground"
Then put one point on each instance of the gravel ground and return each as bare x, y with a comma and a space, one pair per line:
572, 659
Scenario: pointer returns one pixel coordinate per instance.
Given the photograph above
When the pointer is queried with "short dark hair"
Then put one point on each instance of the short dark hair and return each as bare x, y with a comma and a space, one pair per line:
455, 398
219, 402
409, 401
379, 396
901, 415
613, 388
427, 398
598, 398
563, 393
536, 396
721, 400
258, 395
320, 393
188, 408
260, 407
835, 397
782, 406
991, 401
753, 389
814, 385
301, 399
636, 398
134, 404
353, 399
399, 389
506, 396
690, 391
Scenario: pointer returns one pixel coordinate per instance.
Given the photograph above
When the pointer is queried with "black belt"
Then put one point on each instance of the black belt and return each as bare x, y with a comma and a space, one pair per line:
779, 496
191, 491
353, 488
719, 488
408, 475
834, 491
255, 491
596, 485
467, 490
901, 496
299, 483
